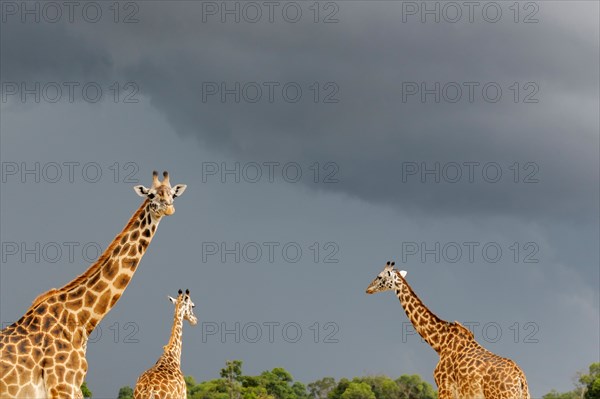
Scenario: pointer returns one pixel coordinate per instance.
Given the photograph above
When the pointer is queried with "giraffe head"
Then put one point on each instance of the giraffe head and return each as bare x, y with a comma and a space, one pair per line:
161, 194
184, 305
388, 279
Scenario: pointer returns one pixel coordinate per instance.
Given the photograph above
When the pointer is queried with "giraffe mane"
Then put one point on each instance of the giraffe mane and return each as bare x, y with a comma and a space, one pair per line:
107, 253
418, 300
43, 296
464, 330
96, 266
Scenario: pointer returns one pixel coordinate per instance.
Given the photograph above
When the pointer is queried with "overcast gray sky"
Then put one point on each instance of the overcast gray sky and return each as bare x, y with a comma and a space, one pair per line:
338, 134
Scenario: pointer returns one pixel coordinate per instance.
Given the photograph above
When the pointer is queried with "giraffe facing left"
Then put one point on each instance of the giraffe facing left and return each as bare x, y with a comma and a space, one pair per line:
42, 355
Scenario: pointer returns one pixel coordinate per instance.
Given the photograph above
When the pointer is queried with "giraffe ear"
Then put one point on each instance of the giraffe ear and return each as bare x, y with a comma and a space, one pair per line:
403, 273
141, 191
178, 190
172, 299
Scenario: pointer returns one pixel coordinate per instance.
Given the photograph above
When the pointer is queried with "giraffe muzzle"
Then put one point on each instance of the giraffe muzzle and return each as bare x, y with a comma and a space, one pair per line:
170, 210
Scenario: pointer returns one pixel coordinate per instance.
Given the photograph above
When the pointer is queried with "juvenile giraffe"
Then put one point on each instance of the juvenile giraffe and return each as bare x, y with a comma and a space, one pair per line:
165, 379
465, 369
43, 353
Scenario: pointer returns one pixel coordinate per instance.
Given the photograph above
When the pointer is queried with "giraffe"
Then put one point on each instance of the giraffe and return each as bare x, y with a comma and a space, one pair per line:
465, 369
43, 353
165, 379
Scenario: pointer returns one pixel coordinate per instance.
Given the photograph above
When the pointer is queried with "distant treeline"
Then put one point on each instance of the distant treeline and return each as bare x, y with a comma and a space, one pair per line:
279, 384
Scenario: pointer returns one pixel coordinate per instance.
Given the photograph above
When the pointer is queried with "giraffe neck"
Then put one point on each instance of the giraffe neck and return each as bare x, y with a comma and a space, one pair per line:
430, 327
173, 348
95, 292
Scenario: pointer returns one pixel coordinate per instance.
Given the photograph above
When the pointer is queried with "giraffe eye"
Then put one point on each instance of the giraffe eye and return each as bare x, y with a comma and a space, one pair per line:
151, 196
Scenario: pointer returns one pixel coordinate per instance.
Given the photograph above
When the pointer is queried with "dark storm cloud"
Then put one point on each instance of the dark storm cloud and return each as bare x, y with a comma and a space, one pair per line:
48, 52
381, 142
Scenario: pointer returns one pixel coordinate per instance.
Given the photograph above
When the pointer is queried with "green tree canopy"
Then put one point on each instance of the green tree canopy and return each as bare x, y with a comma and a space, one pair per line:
413, 387
358, 390
382, 386
231, 374
591, 382
125, 392
587, 386
336, 393
279, 383
85, 390
321, 388
213, 389
554, 394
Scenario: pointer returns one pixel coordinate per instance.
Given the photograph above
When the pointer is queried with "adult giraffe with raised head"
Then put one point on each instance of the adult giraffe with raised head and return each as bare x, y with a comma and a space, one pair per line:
466, 370
42, 355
